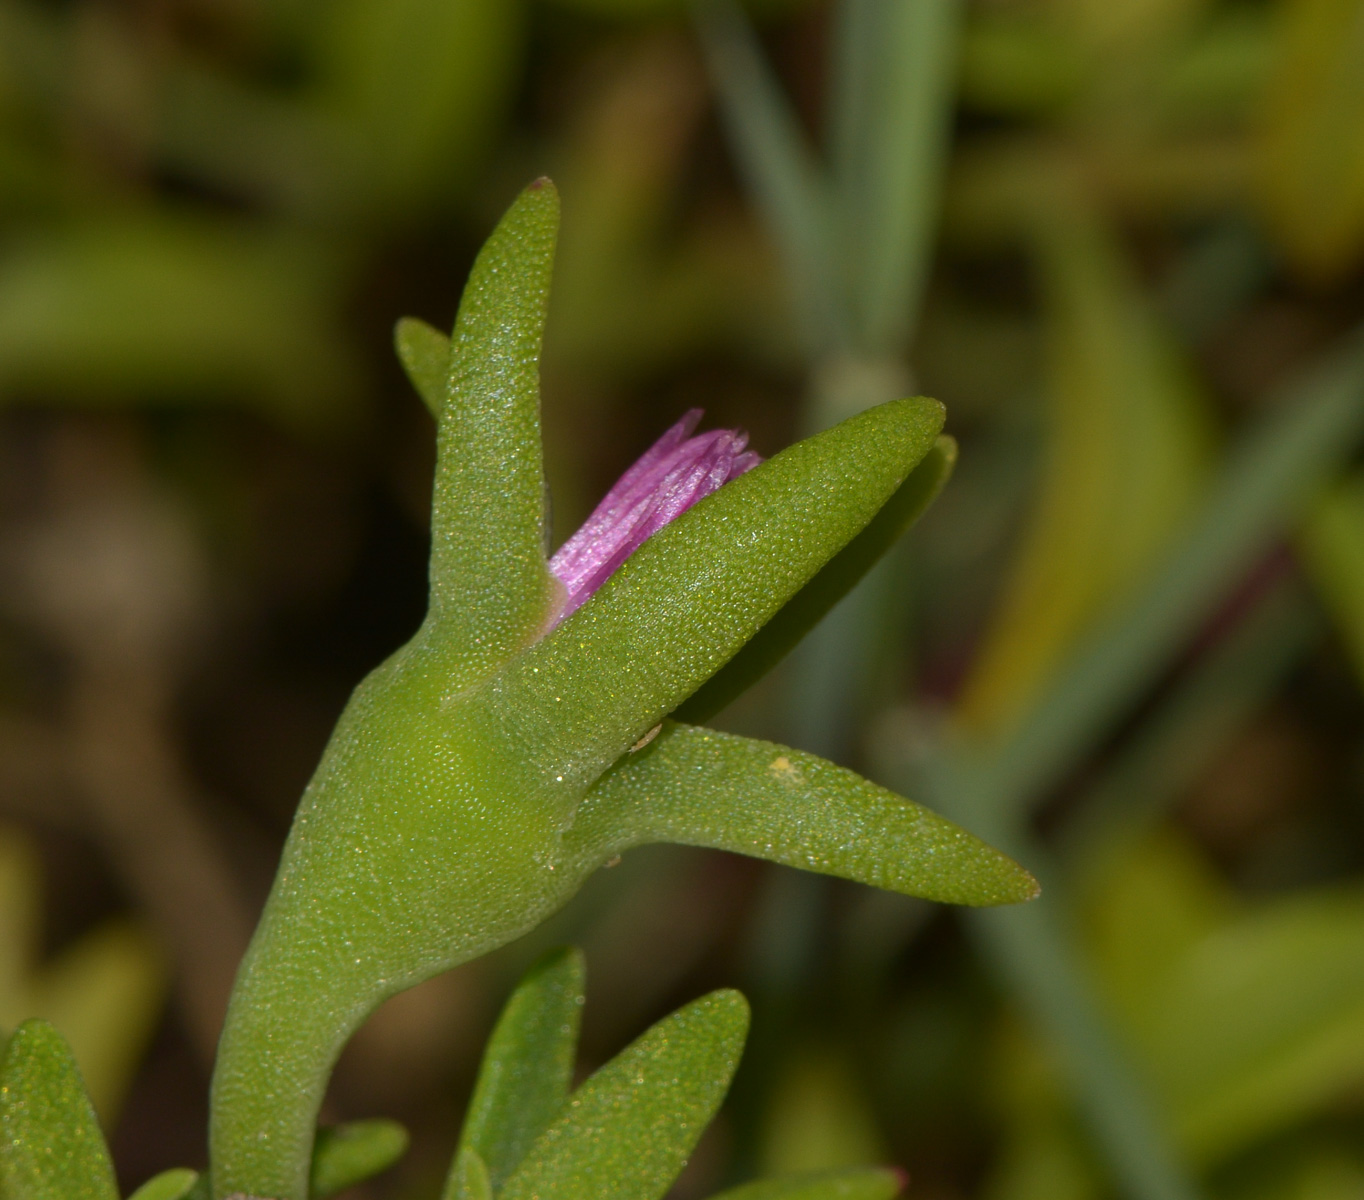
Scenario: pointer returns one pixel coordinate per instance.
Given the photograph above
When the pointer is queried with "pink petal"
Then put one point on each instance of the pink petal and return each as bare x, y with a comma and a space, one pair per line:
673, 474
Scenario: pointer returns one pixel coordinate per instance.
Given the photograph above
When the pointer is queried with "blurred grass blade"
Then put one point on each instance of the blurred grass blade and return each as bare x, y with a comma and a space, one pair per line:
809, 606
627, 1132
872, 1183
1332, 547
527, 1066
51, 1147
175, 310
889, 216
174, 1184
421, 84
1034, 954
1223, 690
851, 97
782, 175
632, 653
344, 1155
702, 788
425, 355
1262, 487
468, 1178
1124, 461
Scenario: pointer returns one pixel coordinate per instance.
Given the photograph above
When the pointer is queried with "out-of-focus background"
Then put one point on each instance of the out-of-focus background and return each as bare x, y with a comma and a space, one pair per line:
1122, 240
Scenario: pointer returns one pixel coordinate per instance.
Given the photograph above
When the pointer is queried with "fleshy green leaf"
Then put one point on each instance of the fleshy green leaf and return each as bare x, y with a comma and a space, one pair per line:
839, 575
174, 1184
874, 1183
688, 599
491, 589
627, 1131
468, 1178
344, 1155
702, 788
425, 355
528, 1064
51, 1147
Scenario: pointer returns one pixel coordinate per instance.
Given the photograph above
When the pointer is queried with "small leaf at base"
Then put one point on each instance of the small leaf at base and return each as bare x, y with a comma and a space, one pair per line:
174, 1184
345, 1155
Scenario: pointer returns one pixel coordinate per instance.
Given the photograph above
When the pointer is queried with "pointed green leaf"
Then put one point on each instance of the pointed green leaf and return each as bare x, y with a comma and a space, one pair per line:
491, 589
425, 355
344, 1155
51, 1147
872, 1183
627, 1131
528, 1064
808, 607
688, 599
174, 1184
703, 788
468, 1178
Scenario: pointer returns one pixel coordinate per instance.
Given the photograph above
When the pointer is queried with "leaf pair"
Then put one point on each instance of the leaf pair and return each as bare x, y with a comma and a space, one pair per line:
627, 1130
489, 767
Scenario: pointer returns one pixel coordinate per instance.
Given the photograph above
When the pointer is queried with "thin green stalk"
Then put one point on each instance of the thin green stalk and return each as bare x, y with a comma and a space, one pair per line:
778, 169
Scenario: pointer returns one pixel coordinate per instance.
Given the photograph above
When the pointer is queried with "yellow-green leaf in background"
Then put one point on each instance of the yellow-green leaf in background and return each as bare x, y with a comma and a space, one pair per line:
1124, 457
818, 1117
1311, 171
1331, 542
1245, 1021
104, 993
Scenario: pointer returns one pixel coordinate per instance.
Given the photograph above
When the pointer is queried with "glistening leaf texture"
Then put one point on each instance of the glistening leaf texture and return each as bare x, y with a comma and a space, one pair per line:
627, 1132
527, 1065
51, 1147
700, 787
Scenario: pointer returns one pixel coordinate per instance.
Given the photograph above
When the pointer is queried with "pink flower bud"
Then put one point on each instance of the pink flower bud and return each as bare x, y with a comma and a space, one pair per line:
672, 475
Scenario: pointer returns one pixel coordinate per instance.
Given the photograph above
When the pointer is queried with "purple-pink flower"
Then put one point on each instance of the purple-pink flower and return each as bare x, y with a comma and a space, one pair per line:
672, 475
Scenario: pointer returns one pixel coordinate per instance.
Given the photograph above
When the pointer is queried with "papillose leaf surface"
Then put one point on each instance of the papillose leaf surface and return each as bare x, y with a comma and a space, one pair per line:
443, 820
51, 1147
627, 1132
699, 787
527, 1065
